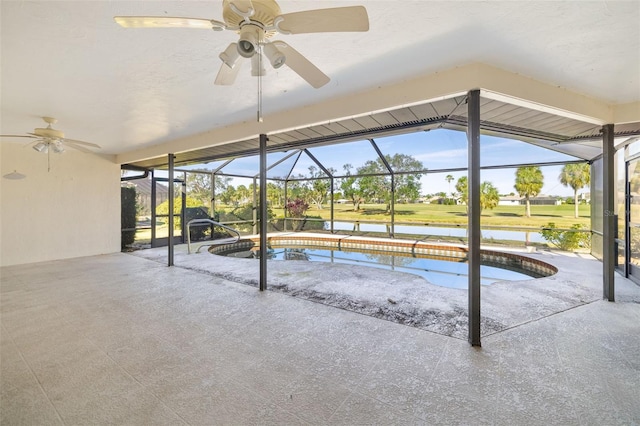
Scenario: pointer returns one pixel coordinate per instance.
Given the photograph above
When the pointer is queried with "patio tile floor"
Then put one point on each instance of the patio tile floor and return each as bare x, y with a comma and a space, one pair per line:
118, 339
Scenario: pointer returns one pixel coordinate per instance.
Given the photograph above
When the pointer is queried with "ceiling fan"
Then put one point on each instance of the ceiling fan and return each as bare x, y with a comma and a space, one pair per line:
256, 22
49, 140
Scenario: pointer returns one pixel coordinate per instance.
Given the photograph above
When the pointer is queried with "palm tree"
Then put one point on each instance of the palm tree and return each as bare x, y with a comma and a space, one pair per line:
462, 186
489, 196
449, 179
529, 182
576, 176
243, 194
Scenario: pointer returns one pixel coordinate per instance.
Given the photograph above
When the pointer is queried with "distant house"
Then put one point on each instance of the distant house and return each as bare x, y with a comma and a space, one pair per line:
434, 200
439, 200
543, 200
510, 200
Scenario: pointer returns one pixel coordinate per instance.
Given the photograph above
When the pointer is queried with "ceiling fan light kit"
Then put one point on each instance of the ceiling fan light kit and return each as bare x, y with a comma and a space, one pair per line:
249, 38
41, 147
57, 147
275, 56
230, 56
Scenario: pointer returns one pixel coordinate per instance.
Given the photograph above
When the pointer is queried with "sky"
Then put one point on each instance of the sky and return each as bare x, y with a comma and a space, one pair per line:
436, 149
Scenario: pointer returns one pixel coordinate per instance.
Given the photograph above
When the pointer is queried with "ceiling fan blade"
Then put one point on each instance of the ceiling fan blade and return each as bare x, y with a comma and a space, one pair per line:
89, 144
168, 22
226, 76
17, 136
339, 19
302, 66
74, 145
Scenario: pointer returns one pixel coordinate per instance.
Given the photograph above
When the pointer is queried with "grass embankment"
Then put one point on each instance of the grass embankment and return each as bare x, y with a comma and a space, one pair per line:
437, 214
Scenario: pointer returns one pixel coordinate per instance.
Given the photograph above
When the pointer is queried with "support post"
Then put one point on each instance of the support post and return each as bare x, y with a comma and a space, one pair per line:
153, 207
213, 200
263, 212
213, 194
284, 210
171, 218
473, 184
392, 233
627, 217
183, 208
254, 210
331, 201
393, 186
608, 238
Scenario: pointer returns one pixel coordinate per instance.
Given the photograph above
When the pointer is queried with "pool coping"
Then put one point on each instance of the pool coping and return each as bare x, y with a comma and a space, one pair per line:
416, 248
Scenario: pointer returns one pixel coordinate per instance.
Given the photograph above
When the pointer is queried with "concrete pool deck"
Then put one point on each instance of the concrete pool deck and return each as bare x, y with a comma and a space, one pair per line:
409, 299
118, 339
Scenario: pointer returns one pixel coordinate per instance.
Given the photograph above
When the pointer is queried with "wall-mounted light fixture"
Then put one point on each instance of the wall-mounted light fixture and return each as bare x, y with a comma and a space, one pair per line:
14, 175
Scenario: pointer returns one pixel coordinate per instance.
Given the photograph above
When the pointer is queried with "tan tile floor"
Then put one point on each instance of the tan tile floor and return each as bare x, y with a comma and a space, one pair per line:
118, 339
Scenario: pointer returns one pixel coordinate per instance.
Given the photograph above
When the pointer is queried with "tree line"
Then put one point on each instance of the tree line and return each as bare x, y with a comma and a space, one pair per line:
372, 182
529, 182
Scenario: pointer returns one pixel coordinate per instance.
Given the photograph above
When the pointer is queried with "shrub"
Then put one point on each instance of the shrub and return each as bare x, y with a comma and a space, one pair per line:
127, 215
296, 208
300, 224
567, 240
242, 213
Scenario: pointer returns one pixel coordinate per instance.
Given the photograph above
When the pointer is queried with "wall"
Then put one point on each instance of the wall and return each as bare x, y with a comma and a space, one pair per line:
71, 211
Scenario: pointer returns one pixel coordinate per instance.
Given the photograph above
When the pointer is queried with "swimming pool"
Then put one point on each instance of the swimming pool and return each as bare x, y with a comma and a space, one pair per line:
440, 264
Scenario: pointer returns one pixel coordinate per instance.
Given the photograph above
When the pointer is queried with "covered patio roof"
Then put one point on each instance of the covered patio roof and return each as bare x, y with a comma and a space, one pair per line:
568, 135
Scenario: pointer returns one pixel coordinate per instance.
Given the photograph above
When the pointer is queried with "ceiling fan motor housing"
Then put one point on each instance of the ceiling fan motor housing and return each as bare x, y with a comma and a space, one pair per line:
264, 12
252, 28
49, 133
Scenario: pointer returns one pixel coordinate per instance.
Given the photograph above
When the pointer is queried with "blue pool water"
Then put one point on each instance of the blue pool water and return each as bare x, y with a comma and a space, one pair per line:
444, 272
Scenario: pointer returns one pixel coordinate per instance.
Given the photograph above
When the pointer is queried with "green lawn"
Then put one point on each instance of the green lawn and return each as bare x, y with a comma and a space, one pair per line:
437, 214
562, 215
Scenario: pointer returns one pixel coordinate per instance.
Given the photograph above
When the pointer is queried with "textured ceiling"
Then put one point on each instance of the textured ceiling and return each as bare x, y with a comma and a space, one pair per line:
129, 89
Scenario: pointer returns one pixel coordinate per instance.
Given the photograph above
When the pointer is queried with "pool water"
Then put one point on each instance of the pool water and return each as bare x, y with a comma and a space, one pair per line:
444, 271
